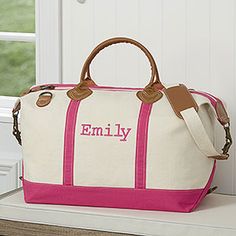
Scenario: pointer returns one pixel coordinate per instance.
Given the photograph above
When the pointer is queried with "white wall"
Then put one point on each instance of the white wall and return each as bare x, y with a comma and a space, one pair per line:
193, 42
10, 157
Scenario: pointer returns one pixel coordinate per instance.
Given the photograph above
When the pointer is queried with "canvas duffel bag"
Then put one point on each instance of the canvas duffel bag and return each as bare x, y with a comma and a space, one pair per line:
90, 145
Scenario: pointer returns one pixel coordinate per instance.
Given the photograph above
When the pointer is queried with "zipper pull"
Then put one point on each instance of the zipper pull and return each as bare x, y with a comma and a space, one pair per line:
44, 87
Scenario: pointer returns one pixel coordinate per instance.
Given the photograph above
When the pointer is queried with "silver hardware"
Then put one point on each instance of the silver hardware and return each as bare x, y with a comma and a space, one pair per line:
227, 125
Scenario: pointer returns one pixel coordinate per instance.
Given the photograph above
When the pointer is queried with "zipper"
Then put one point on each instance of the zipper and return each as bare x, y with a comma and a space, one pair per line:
43, 87
58, 87
70, 86
38, 88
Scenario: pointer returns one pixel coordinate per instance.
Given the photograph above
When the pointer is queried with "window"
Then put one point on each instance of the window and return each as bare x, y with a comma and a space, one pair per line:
30, 48
33, 31
17, 46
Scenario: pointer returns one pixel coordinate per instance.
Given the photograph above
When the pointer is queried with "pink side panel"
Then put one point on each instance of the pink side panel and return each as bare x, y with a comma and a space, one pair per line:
143, 199
141, 145
130, 198
69, 140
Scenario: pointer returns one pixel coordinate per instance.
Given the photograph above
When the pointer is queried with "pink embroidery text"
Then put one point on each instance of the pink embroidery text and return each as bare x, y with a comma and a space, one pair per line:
117, 131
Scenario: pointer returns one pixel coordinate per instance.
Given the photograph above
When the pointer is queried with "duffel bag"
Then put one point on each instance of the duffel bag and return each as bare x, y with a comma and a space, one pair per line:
140, 148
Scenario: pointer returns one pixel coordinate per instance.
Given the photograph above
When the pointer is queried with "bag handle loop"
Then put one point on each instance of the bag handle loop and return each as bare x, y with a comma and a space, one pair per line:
148, 95
112, 41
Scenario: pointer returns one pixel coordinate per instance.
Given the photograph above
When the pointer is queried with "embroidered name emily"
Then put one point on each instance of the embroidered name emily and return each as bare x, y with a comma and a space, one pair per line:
119, 132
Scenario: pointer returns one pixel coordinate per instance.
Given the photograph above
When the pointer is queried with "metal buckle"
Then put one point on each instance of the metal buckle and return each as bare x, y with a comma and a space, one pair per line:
16, 131
228, 139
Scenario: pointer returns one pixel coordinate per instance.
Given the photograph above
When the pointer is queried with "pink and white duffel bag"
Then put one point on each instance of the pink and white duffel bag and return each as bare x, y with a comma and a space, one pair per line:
140, 148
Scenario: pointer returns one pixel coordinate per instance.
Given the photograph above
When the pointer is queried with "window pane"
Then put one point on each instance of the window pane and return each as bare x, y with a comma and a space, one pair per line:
17, 67
17, 16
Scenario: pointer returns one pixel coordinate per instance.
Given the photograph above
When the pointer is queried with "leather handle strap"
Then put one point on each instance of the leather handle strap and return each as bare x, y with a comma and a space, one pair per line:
186, 108
85, 70
149, 94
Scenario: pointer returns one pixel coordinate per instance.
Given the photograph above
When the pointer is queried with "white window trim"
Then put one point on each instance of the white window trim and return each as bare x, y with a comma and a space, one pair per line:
48, 41
20, 37
6, 104
47, 36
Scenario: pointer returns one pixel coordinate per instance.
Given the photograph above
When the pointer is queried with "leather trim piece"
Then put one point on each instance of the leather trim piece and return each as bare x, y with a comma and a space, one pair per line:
221, 113
111, 41
180, 99
44, 99
79, 93
149, 95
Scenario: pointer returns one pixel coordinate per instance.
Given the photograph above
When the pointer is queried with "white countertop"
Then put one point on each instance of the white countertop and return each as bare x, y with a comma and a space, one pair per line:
216, 216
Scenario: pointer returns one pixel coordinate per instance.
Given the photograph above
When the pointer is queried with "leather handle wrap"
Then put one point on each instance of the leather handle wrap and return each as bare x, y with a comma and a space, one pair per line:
112, 41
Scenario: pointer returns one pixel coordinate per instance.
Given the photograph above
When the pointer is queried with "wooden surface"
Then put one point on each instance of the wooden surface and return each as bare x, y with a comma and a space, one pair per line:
14, 228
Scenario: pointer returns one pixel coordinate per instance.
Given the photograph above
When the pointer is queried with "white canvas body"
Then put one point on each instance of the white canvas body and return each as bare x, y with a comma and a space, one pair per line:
173, 160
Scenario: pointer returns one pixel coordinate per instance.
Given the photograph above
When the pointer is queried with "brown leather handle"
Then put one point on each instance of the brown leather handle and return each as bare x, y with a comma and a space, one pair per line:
149, 94
85, 70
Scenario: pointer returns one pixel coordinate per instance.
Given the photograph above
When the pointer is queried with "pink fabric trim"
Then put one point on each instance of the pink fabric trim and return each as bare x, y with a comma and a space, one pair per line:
69, 140
211, 98
141, 145
143, 199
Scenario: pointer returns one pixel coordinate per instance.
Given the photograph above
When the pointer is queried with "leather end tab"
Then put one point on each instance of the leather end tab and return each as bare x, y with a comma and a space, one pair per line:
25, 92
89, 82
44, 99
221, 113
220, 157
79, 93
180, 99
149, 95
17, 106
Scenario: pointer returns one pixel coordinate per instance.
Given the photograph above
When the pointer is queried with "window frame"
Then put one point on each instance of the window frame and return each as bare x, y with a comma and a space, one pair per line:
48, 45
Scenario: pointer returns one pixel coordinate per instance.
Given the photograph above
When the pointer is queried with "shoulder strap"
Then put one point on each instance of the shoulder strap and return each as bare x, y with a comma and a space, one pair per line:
186, 108
200, 136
